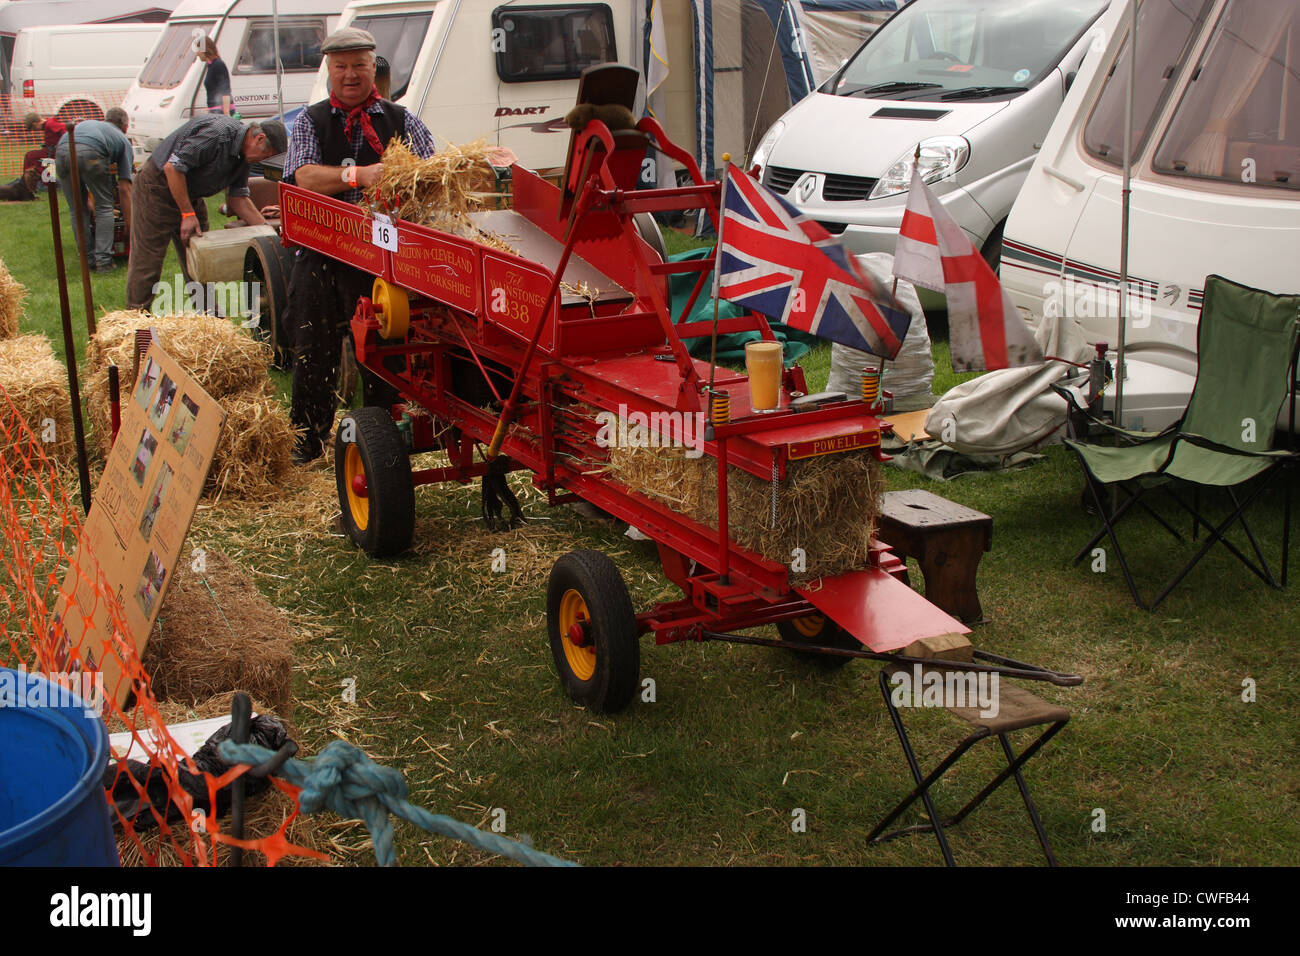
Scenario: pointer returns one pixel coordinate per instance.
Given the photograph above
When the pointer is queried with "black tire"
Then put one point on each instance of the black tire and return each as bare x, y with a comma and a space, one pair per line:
820, 631
268, 264
992, 249
608, 682
382, 521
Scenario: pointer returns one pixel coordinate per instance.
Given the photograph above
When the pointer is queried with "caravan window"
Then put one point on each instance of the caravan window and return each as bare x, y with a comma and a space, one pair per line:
552, 42
1239, 118
398, 40
174, 54
1166, 31
300, 42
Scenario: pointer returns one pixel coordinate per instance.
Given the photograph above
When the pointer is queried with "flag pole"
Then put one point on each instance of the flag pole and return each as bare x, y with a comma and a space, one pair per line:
717, 267
1125, 199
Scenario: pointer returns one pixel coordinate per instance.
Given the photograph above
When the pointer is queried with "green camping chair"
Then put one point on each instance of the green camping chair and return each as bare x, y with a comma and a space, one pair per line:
1246, 343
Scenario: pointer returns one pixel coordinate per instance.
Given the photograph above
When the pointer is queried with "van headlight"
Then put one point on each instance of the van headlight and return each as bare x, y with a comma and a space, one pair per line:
766, 143
940, 157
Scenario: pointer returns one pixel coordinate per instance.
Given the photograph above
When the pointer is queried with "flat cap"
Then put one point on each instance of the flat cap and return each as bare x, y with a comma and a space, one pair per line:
349, 38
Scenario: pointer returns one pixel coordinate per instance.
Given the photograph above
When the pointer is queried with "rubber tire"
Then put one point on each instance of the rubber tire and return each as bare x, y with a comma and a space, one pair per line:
992, 248
269, 263
835, 636
613, 626
391, 493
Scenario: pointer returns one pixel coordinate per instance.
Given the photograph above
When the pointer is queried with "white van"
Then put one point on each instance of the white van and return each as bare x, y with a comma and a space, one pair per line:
976, 83
80, 71
170, 88
1215, 187
487, 68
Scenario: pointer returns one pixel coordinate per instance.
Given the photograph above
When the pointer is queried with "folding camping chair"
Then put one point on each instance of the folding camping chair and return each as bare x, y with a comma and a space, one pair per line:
1246, 343
1018, 709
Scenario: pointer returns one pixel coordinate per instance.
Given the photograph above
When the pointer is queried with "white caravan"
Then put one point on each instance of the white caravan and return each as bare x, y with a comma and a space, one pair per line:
79, 71
1215, 189
170, 87
487, 68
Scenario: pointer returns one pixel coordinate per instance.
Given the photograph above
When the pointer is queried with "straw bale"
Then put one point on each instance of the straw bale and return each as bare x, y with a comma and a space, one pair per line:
439, 191
826, 505
254, 448
216, 633
38, 387
12, 293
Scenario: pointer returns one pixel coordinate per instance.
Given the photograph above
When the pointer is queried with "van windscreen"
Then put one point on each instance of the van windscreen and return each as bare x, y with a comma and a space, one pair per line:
965, 49
174, 55
398, 39
552, 42
1239, 118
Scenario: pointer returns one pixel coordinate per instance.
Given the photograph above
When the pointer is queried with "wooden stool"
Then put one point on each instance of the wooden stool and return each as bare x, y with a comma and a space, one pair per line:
947, 540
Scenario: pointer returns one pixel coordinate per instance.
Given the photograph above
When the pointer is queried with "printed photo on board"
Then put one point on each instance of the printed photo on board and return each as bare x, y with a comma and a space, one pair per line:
183, 424
151, 582
145, 386
163, 405
155, 500
143, 456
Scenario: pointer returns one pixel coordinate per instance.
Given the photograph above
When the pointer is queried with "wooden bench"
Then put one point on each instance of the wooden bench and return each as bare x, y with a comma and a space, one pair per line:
947, 540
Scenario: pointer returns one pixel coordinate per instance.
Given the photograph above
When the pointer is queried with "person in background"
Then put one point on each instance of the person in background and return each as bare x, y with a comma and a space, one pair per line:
51, 130
216, 78
100, 144
208, 154
336, 149
383, 77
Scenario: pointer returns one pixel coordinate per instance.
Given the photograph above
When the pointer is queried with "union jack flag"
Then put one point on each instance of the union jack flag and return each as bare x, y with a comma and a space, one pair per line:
775, 260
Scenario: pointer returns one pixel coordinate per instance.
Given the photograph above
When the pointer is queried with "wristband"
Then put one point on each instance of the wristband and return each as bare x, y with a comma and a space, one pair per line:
350, 176
185, 215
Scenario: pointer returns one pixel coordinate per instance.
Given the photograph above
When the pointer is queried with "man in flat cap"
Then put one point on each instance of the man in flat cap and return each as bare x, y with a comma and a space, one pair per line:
209, 153
335, 149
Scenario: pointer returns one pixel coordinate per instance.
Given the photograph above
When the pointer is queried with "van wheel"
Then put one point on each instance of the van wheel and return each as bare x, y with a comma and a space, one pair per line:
992, 250
77, 110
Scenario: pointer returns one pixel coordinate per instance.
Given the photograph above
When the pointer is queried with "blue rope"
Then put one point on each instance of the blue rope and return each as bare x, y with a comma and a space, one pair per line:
345, 780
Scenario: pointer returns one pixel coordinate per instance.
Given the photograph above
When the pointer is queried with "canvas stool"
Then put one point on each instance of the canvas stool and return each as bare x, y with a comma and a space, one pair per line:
1018, 709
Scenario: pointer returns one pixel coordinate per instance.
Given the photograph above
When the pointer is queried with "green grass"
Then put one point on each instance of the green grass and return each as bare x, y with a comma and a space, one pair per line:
456, 687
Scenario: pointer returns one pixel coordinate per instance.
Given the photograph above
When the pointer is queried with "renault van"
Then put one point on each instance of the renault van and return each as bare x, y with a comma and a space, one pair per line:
79, 72
974, 83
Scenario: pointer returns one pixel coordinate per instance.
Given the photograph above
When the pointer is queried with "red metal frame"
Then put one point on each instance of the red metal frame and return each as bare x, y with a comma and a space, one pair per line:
491, 314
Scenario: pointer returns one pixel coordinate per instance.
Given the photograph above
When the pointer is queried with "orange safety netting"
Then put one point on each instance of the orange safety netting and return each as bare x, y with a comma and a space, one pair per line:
68, 107
40, 530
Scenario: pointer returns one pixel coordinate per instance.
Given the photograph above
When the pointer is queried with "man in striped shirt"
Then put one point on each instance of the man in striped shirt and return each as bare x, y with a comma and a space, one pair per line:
336, 149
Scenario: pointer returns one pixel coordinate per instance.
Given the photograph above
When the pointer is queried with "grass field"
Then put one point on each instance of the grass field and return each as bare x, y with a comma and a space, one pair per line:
456, 687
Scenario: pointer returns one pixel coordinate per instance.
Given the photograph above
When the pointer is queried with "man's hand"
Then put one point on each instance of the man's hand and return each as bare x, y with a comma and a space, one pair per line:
368, 176
189, 229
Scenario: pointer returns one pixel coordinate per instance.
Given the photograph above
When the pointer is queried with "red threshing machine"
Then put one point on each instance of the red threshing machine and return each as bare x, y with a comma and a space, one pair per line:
511, 351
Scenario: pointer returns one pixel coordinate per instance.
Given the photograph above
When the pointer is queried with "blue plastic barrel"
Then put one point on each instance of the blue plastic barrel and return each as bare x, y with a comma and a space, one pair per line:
52, 760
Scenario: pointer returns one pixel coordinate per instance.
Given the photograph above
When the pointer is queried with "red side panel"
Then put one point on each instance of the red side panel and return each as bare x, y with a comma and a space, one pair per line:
880, 611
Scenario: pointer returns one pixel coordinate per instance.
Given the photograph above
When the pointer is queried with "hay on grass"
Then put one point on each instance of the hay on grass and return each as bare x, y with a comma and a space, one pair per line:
12, 293
216, 634
38, 387
255, 448
263, 814
826, 505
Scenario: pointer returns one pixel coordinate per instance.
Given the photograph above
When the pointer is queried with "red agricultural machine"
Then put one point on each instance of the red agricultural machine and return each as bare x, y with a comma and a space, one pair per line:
516, 357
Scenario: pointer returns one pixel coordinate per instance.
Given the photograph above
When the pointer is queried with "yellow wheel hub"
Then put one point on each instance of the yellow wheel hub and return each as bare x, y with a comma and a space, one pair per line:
358, 501
392, 308
809, 626
581, 657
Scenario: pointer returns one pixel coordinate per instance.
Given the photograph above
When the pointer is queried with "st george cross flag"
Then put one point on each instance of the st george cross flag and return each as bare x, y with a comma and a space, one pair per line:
986, 330
777, 261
